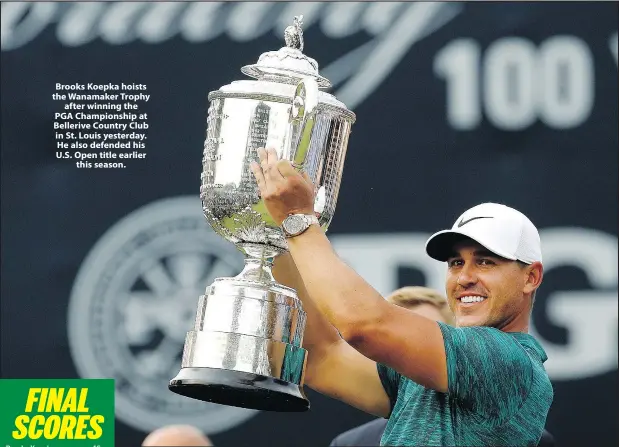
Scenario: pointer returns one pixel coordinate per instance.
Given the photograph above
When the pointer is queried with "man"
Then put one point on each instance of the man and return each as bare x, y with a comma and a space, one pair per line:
176, 435
423, 301
481, 383
430, 304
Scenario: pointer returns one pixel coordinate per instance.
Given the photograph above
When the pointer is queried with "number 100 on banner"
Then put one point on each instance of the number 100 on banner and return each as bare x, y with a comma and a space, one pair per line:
514, 82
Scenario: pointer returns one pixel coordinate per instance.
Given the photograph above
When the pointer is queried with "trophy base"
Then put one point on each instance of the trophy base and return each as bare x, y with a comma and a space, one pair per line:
239, 389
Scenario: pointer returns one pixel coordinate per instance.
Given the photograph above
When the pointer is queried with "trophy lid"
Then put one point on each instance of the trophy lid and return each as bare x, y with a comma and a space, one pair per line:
288, 64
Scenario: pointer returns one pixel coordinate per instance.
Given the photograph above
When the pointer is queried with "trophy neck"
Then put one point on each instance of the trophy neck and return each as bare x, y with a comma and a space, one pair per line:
258, 262
258, 270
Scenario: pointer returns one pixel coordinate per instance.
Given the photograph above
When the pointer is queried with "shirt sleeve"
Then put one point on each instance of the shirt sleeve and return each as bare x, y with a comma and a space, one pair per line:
488, 371
391, 383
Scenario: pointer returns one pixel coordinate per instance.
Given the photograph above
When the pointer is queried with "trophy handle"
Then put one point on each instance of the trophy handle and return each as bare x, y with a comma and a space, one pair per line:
302, 121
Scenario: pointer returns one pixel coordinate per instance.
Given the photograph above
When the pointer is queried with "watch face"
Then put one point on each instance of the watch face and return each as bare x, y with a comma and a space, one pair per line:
294, 224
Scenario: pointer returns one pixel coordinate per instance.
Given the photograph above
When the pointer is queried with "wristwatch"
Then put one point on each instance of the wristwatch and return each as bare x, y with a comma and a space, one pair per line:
295, 224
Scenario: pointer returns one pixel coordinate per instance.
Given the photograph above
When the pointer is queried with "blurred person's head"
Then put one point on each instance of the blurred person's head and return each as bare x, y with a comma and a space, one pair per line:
176, 436
494, 266
423, 301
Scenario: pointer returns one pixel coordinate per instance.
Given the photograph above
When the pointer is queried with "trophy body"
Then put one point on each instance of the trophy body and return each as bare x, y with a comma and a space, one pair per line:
246, 348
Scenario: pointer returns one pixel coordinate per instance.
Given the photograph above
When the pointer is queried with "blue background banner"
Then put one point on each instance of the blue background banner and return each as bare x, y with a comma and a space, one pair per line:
456, 104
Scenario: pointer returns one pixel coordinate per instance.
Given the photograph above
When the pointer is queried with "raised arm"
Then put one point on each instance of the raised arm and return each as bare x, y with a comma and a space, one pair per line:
333, 367
409, 343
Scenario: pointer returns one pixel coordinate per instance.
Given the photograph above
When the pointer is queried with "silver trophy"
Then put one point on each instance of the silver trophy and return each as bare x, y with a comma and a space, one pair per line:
246, 348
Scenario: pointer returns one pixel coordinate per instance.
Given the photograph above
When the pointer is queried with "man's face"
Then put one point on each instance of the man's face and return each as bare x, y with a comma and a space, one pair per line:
484, 289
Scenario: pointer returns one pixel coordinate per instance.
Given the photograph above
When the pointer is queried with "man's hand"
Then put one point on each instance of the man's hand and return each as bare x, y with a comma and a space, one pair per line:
284, 190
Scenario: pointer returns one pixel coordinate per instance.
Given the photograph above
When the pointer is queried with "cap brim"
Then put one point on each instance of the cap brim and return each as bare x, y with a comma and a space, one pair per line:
440, 246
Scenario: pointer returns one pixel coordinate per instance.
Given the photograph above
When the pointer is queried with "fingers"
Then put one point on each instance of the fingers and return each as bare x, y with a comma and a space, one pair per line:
285, 168
262, 156
306, 177
272, 169
257, 170
268, 163
272, 156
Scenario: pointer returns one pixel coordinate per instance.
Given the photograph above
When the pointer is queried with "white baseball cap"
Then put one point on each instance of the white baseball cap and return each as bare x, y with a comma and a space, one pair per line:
501, 229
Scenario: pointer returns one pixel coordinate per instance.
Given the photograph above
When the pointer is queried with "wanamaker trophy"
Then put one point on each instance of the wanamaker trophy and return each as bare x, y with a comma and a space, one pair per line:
246, 348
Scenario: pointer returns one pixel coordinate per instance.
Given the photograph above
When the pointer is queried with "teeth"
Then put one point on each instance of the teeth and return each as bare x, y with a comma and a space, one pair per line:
472, 299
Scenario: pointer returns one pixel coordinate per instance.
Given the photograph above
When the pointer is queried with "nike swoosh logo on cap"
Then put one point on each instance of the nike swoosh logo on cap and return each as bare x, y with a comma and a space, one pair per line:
464, 222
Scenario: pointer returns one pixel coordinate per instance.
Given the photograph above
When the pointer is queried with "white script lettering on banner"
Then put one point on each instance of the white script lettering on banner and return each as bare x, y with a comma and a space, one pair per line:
589, 316
394, 28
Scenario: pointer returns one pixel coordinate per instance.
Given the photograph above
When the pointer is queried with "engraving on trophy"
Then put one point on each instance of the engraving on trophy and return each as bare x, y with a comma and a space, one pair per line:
256, 138
210, 148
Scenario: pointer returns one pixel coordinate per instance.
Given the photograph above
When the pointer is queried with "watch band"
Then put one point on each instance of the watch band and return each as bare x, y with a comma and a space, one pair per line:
308, 220
311, 219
